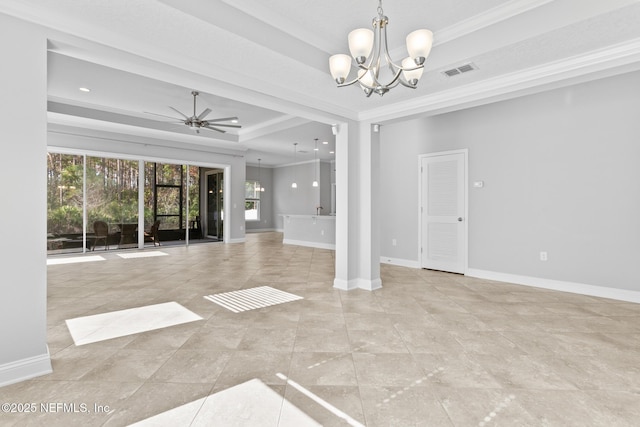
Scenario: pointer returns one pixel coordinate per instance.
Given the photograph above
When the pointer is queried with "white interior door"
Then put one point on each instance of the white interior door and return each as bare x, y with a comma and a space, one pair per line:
443, 212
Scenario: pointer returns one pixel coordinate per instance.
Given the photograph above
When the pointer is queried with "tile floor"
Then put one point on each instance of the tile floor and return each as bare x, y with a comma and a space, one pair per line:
428, 349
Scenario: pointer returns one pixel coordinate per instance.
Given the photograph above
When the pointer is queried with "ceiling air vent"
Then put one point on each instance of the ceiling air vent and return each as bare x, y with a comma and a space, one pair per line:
460, 70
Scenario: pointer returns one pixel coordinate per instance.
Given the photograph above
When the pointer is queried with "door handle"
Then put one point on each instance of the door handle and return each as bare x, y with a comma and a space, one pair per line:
459, 219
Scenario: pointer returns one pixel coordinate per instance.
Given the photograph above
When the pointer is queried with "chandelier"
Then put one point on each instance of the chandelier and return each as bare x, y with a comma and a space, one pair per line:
370, 51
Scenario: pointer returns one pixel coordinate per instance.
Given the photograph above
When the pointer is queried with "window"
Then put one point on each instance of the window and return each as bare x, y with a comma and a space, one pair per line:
252, 201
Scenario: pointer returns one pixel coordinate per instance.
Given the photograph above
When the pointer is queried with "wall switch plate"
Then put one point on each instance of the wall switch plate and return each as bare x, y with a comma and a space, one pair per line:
393, 242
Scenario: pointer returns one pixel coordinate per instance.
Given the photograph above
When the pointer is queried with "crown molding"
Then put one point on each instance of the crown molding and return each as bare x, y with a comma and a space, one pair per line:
537, 77
490, 17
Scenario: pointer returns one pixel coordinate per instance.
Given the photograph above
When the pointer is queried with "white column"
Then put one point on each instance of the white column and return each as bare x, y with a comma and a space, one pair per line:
23, 305
369, 189
344, 249
357, 223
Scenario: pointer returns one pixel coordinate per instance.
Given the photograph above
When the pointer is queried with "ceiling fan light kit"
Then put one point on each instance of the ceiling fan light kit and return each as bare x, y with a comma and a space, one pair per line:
370, 52
197, 121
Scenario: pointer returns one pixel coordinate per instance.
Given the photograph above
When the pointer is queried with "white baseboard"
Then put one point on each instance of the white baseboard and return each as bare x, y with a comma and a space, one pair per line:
365, 284
259, 230
25, 369
557, 285
400, 262
242, 240
345, 285
319, 245
369, 285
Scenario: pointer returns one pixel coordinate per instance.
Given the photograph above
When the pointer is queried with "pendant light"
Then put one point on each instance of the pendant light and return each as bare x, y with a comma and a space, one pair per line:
315, 155
260, 187
295, 149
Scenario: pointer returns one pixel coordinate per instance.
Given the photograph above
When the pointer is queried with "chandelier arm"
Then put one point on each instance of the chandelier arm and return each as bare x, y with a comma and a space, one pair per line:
407, 84
394, 81
382, 34
349, 83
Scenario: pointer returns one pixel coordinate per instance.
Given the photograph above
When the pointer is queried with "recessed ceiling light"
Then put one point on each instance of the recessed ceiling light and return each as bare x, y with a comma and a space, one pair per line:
331, 152
84, 89
234, 121
325, 142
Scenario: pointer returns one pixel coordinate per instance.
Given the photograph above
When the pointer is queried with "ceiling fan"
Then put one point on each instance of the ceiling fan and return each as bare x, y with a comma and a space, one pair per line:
197, 122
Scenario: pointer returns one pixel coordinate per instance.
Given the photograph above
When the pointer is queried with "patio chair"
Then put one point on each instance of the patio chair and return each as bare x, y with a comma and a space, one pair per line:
101, 230
152, 235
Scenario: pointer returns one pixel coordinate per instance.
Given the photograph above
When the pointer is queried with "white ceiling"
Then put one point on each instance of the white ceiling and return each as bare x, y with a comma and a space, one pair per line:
265, 61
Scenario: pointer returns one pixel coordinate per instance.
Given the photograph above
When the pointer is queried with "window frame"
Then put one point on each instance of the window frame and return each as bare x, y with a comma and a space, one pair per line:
256, 199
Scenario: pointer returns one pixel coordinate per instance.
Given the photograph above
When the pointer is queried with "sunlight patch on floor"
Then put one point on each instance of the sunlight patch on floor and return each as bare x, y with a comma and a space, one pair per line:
252, 403
73, 260
251, 299
146, 254
100, 327
326, 405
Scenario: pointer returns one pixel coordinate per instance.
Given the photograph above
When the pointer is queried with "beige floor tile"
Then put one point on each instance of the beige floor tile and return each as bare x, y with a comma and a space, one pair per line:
386, 369
330, 405
484, 407
192, 366
323, 369
402, 406
428, 349
321, 339
129, 365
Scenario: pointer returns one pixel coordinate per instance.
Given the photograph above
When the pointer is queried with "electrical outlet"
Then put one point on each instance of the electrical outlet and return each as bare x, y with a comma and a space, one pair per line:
543, 256
394, 242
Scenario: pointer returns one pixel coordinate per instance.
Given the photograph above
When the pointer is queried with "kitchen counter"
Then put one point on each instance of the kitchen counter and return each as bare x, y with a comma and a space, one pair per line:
316, 231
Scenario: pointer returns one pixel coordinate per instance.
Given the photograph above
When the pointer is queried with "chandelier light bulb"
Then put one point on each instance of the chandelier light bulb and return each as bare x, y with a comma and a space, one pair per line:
340, 65
361, 44
419, 45
412, 76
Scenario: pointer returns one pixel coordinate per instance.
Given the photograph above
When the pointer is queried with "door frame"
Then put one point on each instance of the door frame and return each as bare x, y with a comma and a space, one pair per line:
421, 203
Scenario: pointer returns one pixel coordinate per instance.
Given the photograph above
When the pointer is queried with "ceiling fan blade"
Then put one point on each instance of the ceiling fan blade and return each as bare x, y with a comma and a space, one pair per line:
216, 129
222, 125
204, 113
182, 114
226, 119
168, 117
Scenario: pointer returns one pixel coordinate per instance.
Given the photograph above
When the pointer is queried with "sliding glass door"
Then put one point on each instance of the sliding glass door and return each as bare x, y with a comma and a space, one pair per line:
64, 202
112, 199
215, 204
93, 202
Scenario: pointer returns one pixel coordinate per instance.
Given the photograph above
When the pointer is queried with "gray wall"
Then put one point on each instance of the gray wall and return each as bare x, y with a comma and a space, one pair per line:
267, 219
23, 294
561, 175
325, 187
304, 199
